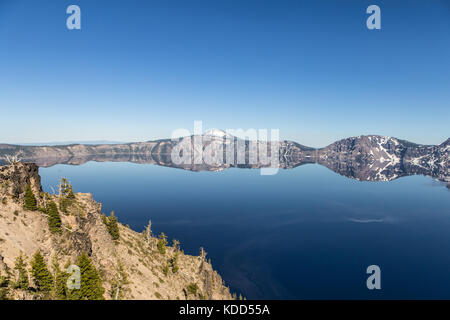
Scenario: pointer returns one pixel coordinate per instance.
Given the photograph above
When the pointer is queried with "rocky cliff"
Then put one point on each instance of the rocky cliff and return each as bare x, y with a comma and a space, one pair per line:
134, 266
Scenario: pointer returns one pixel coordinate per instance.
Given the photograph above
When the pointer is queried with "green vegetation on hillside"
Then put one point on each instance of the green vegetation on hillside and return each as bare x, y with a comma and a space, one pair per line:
91, 284
111, 225
20, 266
162, 242
66, 195
42, 277
119, 284
54, 219
46, 285
30, 200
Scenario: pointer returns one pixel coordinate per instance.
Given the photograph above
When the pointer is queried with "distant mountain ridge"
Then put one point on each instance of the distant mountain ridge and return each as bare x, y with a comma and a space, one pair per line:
365, 158
66, 143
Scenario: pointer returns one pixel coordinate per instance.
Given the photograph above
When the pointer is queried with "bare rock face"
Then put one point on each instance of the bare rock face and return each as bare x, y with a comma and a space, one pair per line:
15, 178
83, 231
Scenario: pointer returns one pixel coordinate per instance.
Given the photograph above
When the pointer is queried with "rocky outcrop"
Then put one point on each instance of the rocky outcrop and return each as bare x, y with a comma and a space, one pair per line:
15, 178
83, 230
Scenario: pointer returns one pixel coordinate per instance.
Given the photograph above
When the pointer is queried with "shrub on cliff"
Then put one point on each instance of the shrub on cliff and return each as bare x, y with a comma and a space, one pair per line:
192, 288
70, 194
22, 273
111, 225
66, 195
60, 290
91, 283
162, 242
30, 200
41, 276
119, 286
174, 262
66, 189
4, 291
54, 219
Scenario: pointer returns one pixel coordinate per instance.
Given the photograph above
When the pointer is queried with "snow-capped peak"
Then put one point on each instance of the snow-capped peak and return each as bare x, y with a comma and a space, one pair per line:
216, 133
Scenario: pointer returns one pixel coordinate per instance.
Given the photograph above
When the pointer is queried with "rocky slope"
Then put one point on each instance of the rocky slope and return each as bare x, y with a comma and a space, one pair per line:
133, 256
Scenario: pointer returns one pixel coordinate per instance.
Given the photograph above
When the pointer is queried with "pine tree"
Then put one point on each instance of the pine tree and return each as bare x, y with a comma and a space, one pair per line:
70, 294
112, 226
63, 187
119, 285
63, 205
105, 219
60, 281
174, 262
41, 276
4, 282
91, 284
162, 242
70, 194
4, 294
22, 273
54, 219
30, 200
66, 195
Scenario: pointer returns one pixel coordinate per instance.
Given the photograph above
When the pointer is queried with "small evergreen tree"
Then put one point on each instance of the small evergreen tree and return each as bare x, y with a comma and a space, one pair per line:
162, 242
41, 276
4, 291
64, 205
192, 288
54, 219
63, 187
60, 281
22, 273
119, 284
4, 280
70, 194
91, 284
62, 288
174, 262
30, 200
112, 226
66, 195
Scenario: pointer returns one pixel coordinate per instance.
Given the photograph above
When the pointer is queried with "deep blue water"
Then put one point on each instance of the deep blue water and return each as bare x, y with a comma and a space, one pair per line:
305, 233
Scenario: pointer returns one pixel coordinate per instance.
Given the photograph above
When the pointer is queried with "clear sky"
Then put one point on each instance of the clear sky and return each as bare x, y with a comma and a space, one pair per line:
137, 70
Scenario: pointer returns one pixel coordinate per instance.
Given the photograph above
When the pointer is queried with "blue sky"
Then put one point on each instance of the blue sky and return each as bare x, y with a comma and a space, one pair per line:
140, 69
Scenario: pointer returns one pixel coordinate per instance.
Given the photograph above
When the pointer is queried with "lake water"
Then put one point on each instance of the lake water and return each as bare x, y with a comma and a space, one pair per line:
304, 233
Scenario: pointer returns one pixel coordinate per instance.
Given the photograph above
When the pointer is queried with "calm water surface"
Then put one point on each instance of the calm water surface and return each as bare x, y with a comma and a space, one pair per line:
305, 233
